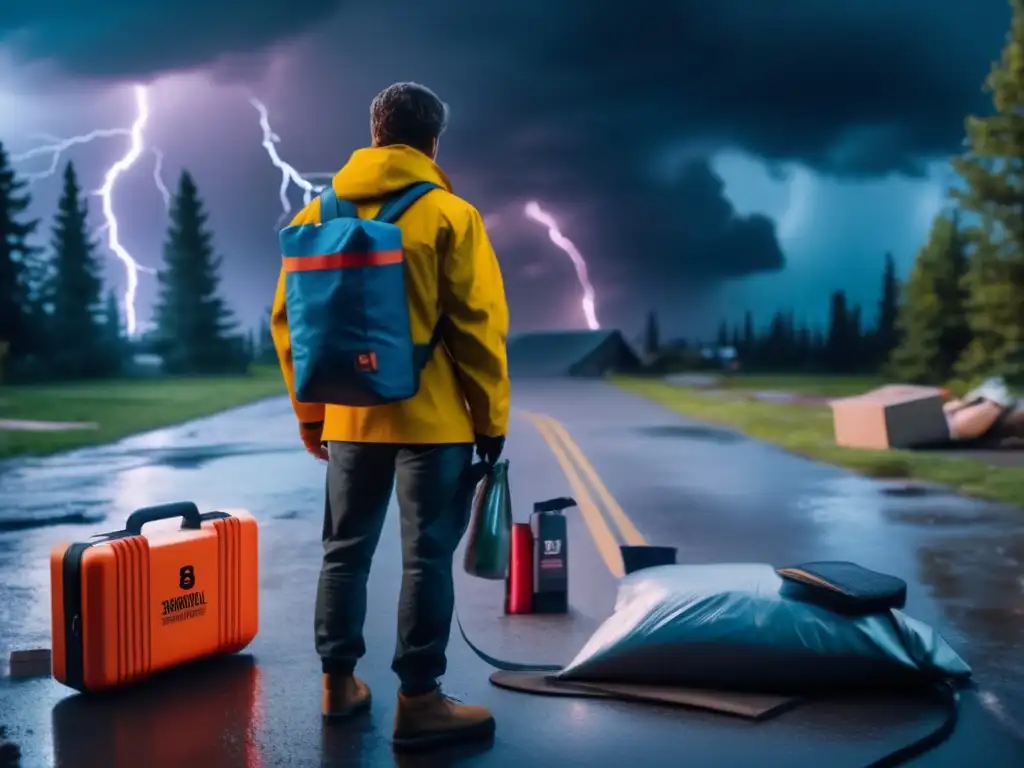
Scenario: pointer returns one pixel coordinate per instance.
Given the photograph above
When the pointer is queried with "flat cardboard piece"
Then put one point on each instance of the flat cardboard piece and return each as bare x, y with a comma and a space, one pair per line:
752, 706
893, 416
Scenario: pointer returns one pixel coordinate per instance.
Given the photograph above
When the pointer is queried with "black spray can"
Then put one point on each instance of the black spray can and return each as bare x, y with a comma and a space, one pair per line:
550, 555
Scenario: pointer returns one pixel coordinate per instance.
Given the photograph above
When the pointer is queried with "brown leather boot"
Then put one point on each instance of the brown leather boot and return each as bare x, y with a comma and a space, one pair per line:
433, 719
344, 696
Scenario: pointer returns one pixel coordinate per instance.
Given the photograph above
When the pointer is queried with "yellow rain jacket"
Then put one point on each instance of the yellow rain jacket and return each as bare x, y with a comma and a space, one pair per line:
450, 269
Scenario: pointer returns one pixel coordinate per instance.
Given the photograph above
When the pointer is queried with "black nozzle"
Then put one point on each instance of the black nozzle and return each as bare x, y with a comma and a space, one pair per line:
636, 558
554, 505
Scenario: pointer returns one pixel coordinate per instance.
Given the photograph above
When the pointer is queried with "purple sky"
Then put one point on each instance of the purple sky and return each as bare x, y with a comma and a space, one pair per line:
689, 149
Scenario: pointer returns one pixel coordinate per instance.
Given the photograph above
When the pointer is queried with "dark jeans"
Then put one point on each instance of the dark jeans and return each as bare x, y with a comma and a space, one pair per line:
433, 501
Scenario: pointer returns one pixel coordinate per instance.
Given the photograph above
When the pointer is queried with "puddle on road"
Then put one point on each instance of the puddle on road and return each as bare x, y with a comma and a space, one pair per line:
82, 489
691, 432
979, 582
195, 457
14, 524
910, 490
966, 555
945, 516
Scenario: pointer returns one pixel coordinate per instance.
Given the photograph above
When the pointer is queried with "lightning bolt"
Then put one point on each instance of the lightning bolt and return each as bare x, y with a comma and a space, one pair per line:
55, 148
534, 212
158, 178
106, 194
289, 175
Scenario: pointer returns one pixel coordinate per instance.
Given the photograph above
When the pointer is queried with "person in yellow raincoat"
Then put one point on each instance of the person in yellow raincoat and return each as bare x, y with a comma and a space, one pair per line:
422, 446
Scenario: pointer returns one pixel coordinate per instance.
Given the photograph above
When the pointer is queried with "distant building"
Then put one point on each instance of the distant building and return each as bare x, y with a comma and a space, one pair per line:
726, 358
570, 353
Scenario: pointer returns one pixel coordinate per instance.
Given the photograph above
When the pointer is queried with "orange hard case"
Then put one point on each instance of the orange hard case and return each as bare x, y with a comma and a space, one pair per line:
126, 605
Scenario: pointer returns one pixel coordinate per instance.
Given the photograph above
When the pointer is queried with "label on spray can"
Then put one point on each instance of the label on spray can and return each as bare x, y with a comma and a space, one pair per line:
550, 562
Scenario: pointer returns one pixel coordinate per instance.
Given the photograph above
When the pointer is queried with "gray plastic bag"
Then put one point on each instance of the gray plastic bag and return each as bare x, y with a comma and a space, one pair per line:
728, 627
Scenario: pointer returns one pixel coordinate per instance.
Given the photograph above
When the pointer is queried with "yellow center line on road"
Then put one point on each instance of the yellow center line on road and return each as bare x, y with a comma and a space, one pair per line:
604, 539
630, 534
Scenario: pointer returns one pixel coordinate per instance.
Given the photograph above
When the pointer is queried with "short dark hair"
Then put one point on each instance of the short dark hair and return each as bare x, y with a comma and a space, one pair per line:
407, 113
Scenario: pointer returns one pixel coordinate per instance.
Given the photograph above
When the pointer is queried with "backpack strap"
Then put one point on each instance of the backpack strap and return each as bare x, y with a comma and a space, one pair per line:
389, 213
331, 207
398, 204
424, 352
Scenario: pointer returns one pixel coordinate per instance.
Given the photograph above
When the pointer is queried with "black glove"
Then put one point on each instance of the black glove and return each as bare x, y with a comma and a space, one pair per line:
489, 448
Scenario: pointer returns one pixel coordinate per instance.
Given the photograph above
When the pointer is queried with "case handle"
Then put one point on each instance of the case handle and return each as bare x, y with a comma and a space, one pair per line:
184, 509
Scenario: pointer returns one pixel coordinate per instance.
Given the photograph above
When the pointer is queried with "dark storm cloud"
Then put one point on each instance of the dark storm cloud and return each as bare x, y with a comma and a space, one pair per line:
595, 98
121, 38
601, 108
851, 88
862, 87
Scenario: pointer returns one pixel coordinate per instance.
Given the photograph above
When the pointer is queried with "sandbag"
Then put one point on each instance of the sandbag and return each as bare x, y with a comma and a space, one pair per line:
730, 626
490, 525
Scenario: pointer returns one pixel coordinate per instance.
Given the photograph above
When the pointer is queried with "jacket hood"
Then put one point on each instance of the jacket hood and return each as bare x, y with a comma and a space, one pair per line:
377, 171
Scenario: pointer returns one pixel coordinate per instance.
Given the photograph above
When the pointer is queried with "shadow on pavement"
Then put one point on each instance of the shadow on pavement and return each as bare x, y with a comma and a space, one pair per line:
356, 742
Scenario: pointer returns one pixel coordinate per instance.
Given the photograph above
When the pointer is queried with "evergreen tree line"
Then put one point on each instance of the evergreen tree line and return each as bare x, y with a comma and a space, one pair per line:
847, 344
788, 344
58, 320
959, 315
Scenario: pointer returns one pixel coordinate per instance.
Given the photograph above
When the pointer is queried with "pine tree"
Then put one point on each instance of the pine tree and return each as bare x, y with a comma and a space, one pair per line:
993, 172
722, 337
803, 345
818, 352
932, 321
748, 331
115, 341
854, 358
266, 352
886, 336
76, 294
193, 322
15, 255
652, 341
838, 342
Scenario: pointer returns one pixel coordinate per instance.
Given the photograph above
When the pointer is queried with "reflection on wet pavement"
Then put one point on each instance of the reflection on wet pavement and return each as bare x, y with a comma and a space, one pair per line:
247, 459
967, 554
86, 482
744, 501
181, 717
717, 497
979, 580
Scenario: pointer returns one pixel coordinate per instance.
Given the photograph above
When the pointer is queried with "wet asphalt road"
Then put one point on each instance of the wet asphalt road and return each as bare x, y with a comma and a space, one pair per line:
709, 492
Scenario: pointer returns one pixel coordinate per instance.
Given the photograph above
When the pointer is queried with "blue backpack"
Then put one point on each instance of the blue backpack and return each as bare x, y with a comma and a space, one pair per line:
348, 314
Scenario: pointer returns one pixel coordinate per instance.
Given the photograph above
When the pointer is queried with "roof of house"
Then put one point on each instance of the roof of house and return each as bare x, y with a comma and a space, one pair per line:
553, 353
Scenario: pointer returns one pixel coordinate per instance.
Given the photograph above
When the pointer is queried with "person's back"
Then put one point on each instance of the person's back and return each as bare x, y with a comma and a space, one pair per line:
425, 443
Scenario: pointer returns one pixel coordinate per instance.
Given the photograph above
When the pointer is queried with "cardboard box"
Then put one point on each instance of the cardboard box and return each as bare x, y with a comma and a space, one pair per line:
894, 416
25, 664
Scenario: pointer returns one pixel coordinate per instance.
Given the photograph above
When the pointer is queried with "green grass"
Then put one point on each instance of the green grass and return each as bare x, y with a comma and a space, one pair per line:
807, 430
822, 386
123, 407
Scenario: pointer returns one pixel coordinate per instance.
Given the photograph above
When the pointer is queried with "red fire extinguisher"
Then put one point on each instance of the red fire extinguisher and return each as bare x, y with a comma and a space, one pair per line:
519, 584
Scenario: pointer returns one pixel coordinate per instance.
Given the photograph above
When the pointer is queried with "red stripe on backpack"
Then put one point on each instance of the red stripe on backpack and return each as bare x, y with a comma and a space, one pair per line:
341, 260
